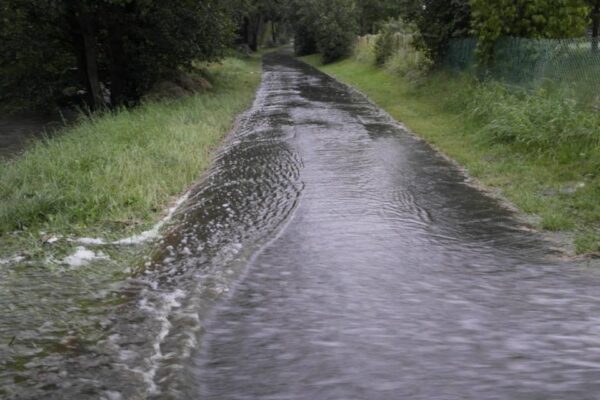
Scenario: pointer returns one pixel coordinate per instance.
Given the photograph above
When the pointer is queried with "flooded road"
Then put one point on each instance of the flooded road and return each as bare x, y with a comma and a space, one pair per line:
329, 254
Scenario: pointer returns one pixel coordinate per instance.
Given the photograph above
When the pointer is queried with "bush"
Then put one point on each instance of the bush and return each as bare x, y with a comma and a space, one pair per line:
364, 49
392, 38
439, 22
384, 45
328, 27
336, 35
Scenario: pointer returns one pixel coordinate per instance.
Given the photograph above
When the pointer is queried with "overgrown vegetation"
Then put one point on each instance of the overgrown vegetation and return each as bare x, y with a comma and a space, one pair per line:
114, 173
395, 48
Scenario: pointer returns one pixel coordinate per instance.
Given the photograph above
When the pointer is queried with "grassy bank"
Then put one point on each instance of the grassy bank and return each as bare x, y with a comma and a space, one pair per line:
112, 175
540, 150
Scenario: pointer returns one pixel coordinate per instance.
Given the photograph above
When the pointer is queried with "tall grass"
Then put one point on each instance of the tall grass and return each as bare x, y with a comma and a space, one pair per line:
541, 121
120, 169
364, 49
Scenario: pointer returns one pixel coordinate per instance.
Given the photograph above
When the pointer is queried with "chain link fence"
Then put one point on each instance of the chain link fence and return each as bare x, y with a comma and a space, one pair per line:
532, 62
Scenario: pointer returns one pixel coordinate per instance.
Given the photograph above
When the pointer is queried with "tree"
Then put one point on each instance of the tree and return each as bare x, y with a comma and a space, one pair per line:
595, 17
110, 50
256, 15
536, 19
328, 26
438, 22
303, 16
371, 13
36, 61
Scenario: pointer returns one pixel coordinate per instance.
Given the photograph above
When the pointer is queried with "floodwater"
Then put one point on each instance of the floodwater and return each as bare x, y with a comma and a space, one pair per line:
329, 254
17, 131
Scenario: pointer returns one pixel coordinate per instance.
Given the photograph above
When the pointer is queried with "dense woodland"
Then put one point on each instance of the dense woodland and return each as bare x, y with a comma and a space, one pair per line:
108, 53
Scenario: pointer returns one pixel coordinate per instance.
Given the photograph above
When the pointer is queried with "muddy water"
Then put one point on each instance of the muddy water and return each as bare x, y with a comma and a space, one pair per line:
328, 255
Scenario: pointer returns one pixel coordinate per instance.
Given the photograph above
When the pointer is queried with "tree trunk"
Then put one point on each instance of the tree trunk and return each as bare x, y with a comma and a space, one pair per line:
89, 59
245, 32
117, 66
252, 31
595, 26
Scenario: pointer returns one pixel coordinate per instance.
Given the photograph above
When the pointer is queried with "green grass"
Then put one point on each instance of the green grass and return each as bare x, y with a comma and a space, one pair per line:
540, 149
113, 174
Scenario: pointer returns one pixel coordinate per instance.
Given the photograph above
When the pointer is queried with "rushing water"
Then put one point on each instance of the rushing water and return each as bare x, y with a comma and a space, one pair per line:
329, 254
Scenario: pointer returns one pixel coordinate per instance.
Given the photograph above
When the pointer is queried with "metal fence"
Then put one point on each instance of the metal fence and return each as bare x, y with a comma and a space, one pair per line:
532, 62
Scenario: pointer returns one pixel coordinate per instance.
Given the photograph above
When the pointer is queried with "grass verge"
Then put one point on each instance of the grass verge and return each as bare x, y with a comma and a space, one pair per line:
540, 150
112, 175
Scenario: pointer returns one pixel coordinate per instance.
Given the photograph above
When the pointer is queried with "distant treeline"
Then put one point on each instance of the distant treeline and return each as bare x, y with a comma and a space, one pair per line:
108, 53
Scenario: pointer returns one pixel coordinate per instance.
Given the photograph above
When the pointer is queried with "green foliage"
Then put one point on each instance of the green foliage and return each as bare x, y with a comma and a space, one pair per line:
262, 22
102, 47
34, 67
384, 44
535, 63
388, 39
438, 23
372, 12
336, 29
328, 26
537, 19
364, 49
541, 121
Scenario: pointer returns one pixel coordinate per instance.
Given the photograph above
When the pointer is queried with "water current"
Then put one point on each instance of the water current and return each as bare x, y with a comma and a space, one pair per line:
328, 254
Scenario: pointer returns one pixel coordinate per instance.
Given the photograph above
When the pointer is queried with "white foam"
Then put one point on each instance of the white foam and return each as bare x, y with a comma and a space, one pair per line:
12, 260
167, 302
91, 241
146, 236
111, 395
83, 256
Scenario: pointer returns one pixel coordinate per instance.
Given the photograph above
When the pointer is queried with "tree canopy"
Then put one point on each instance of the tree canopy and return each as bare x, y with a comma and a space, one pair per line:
439, 21
110, 50
527, 18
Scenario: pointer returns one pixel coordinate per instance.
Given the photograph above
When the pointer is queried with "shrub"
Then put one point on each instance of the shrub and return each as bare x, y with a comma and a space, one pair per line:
336, 30
326, 26
395, 41
384, 45
364, 49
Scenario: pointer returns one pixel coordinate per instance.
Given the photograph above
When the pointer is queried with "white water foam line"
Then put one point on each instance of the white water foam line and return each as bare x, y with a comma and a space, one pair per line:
83, 256
146, 236
160, 312
12, 260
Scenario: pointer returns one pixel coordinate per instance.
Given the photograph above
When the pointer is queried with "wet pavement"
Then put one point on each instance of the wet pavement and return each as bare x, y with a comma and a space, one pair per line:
328, 254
